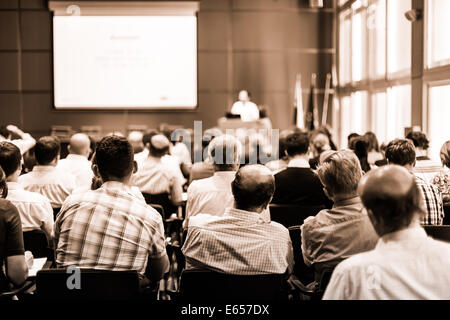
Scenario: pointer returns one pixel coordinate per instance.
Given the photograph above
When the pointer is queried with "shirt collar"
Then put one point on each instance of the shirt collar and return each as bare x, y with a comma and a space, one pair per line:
298, 163
347, 202
244, 215
408, 235
14, 185
39, 168
76, 157
115, 185
224, 173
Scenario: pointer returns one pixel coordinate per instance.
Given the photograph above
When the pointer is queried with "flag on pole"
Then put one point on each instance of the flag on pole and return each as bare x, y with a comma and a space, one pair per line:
298, 102
312, 113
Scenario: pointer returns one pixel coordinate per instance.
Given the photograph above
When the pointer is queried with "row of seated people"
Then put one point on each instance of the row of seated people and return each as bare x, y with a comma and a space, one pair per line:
249, 190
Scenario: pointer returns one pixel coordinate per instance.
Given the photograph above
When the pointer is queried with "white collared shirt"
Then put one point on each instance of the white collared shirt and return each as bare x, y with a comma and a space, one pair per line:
51, 182
248, 110
78, 166
35, 210
212, 196
156, 177
239, 242
298, 163
405, 265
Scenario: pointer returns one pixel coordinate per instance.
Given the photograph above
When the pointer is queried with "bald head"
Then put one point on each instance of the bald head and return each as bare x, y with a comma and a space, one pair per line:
80, 144
392, 198
253, 188
159, 145
135, 139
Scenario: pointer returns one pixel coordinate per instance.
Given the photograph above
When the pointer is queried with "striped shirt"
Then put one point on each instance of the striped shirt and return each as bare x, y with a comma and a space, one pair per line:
51, 182
432, 203
240, 242
108, 229
427, 169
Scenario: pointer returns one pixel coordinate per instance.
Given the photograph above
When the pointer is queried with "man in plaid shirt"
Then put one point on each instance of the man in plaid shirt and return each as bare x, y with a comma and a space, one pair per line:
242, 241
402, 152
111, 228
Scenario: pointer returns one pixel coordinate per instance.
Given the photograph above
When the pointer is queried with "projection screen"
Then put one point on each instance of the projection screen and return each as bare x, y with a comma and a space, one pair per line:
120, 55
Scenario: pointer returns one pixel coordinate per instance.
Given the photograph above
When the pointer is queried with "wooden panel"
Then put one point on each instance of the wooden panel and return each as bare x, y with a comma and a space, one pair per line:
212, 71
280, 30
8, 74
260, 71
9, 109
33, 4
9, 4
8, 30
37, 71
212, 30
36, 30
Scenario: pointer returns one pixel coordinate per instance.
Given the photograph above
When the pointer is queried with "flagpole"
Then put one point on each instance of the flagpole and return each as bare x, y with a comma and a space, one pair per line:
300, 122
326, 100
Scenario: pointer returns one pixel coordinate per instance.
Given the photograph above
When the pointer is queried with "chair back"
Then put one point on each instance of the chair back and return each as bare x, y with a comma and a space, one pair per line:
214, 286
163, 200
292, 215
158, 208
447, 214
304, 273
36, 242
438, 232
61, 284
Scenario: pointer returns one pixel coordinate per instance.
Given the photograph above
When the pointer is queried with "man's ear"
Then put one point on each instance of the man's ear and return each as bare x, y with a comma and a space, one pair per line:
376, 223
135, 167
327, 193
95, 170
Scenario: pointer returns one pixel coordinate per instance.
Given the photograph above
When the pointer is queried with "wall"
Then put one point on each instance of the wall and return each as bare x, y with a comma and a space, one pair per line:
255, 44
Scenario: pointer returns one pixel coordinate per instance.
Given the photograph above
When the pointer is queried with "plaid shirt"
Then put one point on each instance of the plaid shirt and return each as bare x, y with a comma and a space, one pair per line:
432, 201
240, 242
108, 229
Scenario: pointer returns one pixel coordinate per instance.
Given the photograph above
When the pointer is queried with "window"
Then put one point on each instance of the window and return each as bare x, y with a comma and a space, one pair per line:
438, 26
353, 115
391, 113
358, 46
398, 114
438, 116
376, 25
399, 36
345, 48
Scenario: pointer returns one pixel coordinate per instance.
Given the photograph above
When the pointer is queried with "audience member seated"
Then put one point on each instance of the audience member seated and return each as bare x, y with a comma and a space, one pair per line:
157, 178
374, 153
360, 146
13, 267
350, 137
406, 263
179, 148
298, 184
205, 168
213, 195
110, 228
24, 142
46, 178
401, 152
283, 159
382, 162
442, 179
77, 163
242, 241
425, 168
338, 233
319, 144
35, 210
141, 156
135, 139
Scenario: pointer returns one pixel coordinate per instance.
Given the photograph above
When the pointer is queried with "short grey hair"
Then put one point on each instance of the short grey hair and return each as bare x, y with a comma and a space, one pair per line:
340, 172
225, 150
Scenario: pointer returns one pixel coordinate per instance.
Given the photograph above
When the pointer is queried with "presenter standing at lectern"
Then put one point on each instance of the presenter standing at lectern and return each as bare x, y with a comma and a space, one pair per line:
245, 108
